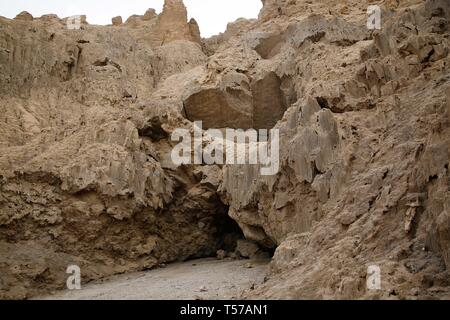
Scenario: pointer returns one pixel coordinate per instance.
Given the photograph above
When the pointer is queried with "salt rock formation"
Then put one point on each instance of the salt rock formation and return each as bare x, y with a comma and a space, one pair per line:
149, 15
87, 115
85, 184
25, 16
172, 23
117, 21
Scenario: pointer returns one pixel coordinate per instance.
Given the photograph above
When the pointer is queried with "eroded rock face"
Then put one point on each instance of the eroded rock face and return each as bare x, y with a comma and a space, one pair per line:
217, 108
24, 16
85, 170
172, 23
269, 102
85, 184
116, 21
362, 168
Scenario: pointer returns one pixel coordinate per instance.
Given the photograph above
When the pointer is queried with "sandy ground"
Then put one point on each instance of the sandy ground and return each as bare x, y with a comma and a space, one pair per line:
198, 279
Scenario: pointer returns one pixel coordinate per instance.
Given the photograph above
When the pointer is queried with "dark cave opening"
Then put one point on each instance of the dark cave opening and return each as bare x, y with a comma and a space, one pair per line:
226, 235
229, 232
259, 104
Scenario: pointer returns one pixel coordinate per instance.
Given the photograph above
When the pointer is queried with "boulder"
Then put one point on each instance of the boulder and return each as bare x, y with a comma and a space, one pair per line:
247, 249
116, 21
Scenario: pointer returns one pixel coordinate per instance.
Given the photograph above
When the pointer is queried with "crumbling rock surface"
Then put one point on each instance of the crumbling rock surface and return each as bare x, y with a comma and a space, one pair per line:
86, 118
81, 180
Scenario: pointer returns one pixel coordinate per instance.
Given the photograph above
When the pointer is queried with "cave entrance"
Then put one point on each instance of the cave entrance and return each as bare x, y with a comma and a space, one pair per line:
257, 104
228, 235
228, 232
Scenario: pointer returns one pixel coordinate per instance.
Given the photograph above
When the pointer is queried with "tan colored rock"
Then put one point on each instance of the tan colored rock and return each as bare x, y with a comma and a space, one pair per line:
194, 31
221, 254
149, 15
24, 16
133, 20
172, 23
116, 21
86, 174
246, 249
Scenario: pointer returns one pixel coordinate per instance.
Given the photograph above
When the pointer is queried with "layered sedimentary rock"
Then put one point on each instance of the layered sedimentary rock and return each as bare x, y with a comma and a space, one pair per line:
86, 175
81, 180
172, 23
365, 152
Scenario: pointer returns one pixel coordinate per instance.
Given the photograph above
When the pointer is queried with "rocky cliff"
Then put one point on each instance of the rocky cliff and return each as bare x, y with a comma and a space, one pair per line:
363, 115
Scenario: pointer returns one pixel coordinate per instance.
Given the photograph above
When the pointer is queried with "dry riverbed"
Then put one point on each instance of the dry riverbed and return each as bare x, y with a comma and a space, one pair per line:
197, 279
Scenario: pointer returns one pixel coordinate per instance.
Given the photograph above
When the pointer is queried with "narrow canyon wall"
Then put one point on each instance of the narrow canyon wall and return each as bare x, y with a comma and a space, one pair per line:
363, 115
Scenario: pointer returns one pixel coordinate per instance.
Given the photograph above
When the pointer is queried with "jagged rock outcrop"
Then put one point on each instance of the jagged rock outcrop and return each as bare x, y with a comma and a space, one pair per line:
81, 181
117, 21
359, 185
87, 115
24, 16
172, 23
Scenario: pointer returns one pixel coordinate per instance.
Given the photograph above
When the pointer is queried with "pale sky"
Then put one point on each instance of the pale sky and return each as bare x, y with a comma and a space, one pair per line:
211, 15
